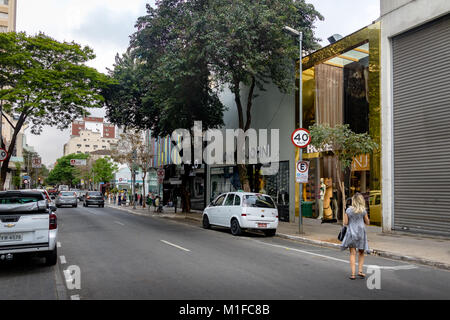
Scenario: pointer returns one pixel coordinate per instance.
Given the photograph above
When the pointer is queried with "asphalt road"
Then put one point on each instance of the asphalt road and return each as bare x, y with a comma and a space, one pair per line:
117, 255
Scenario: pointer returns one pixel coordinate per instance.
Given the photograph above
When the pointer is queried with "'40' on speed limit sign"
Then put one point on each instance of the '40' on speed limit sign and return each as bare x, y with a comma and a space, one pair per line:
301, 138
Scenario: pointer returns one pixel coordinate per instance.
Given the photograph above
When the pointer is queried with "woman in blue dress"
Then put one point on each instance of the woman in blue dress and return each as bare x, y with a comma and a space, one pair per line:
355, 218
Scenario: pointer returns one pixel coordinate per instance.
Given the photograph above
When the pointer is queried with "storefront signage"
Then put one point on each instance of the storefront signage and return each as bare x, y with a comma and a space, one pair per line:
77, 162
361, 163
301, 138
302, 171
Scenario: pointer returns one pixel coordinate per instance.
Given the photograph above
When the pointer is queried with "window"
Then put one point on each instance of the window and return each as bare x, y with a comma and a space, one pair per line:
230, 200
237, 200
258, 201
219, 200
87, 146
4, 2
3, 15
95, 146
78, 151
3, 29
79, 145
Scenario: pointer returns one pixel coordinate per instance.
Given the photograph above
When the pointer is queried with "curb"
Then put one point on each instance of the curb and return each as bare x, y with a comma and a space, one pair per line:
375, 252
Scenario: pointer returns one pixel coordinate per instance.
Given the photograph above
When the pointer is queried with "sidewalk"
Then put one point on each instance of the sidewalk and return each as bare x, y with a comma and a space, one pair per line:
431, 251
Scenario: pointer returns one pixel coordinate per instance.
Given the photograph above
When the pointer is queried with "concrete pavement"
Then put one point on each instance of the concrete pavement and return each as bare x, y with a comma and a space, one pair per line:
431, 251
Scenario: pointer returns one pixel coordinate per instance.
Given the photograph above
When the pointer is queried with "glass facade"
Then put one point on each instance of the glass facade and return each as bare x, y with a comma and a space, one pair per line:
341, 86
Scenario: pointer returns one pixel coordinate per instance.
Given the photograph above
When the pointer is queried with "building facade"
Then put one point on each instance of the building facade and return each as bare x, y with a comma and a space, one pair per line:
89, 135
415, 115
8, 15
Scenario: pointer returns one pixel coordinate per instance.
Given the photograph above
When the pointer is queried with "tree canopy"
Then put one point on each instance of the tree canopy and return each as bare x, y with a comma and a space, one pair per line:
46, 82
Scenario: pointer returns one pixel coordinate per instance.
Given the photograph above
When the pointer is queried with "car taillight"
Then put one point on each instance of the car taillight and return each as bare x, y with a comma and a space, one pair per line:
243, 214
88, 197
53, 222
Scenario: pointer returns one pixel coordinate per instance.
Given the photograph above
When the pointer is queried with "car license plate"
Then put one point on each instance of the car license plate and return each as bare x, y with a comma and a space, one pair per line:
262, 225
10, 237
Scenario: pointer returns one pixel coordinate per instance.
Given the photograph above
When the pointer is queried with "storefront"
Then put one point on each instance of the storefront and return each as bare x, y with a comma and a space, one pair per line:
341, 86
226, 179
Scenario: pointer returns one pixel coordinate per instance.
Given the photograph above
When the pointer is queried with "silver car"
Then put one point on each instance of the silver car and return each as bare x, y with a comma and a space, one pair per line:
67, 198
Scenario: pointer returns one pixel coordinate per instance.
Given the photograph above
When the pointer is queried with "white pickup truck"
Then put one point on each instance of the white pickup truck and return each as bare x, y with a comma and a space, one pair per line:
28, 224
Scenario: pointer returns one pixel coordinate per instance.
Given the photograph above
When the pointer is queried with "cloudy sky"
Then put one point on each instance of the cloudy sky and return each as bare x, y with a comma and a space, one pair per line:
105, 26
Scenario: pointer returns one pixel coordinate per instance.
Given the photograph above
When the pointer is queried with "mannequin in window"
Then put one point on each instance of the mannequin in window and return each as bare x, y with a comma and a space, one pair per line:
321, 198
327, 212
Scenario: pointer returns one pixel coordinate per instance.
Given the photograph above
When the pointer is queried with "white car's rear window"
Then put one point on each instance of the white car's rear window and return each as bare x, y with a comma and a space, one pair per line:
258, 201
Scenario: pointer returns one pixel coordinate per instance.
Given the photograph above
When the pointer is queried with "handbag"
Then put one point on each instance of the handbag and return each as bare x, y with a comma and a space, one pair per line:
342, 233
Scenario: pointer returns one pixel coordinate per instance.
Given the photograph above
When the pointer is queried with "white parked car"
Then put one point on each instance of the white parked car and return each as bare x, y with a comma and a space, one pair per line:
28, 225
242, 210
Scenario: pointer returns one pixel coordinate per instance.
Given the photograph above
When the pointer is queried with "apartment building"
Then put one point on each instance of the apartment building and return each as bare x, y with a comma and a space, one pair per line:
8, 15
90, 135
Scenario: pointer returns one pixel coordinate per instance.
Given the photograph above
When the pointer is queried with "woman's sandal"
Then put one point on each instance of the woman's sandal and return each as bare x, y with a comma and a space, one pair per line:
361, 275
352, 277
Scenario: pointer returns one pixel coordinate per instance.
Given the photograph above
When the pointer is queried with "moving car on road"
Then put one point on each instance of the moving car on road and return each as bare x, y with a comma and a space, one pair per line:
93, 198
242, 210
66, 198
28, 225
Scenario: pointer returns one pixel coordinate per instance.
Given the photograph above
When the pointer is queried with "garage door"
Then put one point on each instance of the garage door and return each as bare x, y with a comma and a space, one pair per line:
421, 110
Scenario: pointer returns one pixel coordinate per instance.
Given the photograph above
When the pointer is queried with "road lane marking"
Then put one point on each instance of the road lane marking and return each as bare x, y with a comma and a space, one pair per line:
119, 223
402, 267
174, 245
58, 244
63, 259
75, 297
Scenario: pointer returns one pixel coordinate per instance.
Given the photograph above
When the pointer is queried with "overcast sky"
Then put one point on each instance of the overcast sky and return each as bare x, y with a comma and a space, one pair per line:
105, 26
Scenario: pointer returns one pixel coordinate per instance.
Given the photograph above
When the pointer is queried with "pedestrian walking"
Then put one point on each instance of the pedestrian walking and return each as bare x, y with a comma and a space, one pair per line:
355, 219
119, 199
141, 200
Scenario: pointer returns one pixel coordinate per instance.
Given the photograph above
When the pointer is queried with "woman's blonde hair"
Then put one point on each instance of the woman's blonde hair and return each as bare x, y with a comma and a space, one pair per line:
358, 203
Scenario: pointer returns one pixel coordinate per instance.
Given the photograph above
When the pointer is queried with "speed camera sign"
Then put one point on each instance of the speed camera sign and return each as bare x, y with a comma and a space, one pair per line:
3, 154
301, 138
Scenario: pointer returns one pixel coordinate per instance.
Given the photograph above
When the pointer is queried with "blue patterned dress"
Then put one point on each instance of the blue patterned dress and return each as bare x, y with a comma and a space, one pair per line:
356, 236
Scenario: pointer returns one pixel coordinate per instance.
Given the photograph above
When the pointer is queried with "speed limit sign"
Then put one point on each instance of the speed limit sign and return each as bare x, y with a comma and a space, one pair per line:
301, 138
3, 154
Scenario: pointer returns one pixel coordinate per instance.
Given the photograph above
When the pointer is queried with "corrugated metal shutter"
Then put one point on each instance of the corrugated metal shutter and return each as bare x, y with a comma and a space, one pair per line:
421, 71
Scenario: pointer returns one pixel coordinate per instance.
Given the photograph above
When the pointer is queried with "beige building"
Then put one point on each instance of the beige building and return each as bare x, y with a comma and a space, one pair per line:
8, 15
88, 141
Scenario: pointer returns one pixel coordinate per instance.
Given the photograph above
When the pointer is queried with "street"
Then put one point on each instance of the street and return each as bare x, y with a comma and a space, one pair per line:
123, 256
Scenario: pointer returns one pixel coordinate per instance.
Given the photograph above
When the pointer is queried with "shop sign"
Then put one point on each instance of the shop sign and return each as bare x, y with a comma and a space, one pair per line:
77, 162
302, 171
361, 163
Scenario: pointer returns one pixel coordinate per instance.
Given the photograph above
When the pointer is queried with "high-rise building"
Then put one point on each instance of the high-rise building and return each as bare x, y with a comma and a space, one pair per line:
8, 15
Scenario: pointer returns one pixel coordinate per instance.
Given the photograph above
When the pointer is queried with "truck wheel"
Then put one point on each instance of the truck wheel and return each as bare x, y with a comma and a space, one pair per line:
51, 257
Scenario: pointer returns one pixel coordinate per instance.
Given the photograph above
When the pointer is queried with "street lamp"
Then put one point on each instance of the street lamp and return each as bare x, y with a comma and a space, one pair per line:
299, 34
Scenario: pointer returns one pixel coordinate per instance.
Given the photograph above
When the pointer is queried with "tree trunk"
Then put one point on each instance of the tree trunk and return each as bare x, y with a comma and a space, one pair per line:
5, 163
243, 177
186, 198
144, 199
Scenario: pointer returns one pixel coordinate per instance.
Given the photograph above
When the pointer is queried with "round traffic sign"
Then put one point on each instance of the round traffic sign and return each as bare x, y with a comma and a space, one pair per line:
302, 166
301, 138
3, 154
160, 172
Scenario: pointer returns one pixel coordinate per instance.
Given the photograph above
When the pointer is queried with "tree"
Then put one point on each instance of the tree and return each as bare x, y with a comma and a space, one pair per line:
46, 82
17, 178
144, 159
126, 151
191, 50
343, 144
103, 170
64, 172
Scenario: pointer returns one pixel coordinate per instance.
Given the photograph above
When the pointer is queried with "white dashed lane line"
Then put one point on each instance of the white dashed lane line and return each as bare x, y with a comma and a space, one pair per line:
174, 245
58, 244
63, 259
120, 223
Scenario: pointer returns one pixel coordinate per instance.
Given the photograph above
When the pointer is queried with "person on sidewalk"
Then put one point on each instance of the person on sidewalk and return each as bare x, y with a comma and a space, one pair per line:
356, 237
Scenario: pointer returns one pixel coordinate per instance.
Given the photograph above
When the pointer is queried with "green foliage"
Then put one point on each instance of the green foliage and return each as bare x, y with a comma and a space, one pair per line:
64, 173
17, 178
103, 170
46, 80
342, 142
